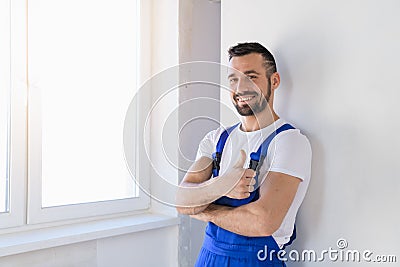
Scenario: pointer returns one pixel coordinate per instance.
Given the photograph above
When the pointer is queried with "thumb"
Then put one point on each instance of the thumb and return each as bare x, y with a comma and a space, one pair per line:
241, 160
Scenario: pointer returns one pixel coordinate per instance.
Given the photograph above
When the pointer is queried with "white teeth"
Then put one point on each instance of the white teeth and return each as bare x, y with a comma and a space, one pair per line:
245, 99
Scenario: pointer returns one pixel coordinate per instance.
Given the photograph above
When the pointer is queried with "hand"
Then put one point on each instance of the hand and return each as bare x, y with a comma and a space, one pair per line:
245, 185
237, 182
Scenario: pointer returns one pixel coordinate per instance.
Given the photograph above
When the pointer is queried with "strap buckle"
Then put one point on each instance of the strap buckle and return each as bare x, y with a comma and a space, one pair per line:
253, 164
216, 163
254, 160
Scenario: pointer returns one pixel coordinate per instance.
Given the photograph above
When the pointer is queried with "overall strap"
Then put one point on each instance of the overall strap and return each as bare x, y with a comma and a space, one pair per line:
257, 158
292, 238
220, 147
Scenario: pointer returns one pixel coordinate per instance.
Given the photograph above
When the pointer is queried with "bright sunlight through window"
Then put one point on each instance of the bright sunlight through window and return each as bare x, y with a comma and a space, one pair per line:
82, 60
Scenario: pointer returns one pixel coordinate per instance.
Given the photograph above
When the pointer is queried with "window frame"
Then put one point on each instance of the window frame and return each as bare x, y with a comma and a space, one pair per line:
17, 128
25, 136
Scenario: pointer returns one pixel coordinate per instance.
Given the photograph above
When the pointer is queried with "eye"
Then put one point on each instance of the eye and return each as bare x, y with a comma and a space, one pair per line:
252, 77
233, 80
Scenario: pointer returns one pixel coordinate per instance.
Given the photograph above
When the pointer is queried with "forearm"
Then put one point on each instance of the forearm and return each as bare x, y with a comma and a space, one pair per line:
191, 210
259, 218
247, 220
197, 190
199, 195
193, 198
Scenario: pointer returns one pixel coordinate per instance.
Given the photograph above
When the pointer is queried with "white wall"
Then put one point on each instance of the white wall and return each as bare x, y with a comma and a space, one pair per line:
339, 63
164, 124
142, 249
199, 40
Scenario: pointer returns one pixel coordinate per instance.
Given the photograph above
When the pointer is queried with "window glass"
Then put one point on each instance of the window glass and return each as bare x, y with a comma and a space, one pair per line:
82, 62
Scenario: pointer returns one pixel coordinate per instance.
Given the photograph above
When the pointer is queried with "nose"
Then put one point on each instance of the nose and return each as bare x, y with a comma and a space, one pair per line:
243, 84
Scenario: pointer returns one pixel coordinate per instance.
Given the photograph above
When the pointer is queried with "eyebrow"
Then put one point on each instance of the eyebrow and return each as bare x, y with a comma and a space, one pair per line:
245, 73
251, 72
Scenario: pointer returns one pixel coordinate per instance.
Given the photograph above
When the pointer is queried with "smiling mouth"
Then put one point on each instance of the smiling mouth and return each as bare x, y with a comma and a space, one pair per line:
244, 98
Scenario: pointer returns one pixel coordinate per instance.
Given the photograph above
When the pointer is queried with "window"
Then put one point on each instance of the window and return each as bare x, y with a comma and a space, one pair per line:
12, 117
4, 102
73, 72
85, 72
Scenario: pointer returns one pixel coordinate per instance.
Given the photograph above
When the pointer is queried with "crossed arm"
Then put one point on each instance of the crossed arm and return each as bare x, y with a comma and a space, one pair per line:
265, 214
197, 190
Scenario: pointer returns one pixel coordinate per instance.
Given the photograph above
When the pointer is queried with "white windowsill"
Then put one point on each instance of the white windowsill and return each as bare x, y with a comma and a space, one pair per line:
30, 240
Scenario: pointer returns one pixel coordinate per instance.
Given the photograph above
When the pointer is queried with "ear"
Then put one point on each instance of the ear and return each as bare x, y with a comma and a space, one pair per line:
275, 80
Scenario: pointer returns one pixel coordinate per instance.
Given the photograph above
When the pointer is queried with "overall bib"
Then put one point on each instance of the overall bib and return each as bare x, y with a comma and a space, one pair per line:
222, 248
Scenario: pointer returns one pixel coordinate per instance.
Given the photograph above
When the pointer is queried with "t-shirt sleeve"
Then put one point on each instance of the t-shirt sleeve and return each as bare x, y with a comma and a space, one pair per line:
291, 154
206, 146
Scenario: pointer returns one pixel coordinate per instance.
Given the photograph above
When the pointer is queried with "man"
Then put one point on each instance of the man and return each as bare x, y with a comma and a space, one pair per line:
248, 210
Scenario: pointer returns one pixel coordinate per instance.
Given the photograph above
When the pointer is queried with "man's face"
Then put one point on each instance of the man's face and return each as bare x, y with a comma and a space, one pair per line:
250, 88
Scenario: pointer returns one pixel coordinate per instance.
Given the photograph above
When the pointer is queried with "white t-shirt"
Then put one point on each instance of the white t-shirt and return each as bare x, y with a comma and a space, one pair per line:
289, 152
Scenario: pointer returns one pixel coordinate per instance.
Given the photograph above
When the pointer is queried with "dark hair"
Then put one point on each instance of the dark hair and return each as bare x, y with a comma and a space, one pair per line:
242, 49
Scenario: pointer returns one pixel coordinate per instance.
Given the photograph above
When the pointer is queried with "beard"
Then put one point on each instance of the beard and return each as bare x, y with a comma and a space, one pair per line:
255, 108
250, 110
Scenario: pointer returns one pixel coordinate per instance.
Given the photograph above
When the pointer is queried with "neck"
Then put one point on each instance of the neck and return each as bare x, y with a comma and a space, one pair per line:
259, 120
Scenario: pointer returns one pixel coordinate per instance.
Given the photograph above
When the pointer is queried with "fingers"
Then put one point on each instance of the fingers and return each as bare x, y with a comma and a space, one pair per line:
248, 179
248, 185
245, 185
251, 188
244, 195
241, 161
243, 188
252, 181
249, 173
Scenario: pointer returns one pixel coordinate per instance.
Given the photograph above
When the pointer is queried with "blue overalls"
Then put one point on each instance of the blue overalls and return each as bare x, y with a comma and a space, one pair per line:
224, 248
